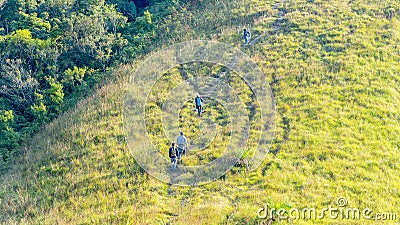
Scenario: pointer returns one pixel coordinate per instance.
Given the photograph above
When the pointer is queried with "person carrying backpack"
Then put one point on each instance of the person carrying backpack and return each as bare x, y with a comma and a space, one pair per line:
182, 145
199, 104
246, 36
173, 152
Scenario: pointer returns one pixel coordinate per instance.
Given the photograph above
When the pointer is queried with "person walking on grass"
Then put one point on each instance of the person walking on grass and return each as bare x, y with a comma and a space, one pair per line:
199, 104
173, 152
246, 36
182, 145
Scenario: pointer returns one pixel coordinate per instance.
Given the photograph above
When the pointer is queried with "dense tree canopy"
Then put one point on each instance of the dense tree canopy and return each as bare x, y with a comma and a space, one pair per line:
49, 49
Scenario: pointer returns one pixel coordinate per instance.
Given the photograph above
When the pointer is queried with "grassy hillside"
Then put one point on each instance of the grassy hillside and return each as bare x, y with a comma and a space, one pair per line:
335, 73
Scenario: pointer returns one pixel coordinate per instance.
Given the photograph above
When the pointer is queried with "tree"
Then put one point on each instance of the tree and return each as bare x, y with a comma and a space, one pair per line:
39, 27
36, 55
17, 85
39, 111
73, 77
90, 38
128, 8
54, 95
114, 18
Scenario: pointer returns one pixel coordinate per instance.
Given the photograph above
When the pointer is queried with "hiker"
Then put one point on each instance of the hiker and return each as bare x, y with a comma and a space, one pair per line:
199, 102
246, 36
173, 152
182, 145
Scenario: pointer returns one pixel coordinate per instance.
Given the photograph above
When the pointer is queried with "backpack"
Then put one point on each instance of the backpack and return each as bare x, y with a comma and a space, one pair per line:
172, 152
198, 101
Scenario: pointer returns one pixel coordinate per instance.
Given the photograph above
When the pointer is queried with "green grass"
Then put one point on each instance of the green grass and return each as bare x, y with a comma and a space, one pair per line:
334, 70
216, 114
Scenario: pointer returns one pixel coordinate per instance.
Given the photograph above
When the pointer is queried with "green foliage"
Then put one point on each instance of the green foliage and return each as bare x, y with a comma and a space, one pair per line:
91, 38
51, 48
127, 8
38, 26
39, 111
9, 138
6, 119
144, 23
73, 77
54, 95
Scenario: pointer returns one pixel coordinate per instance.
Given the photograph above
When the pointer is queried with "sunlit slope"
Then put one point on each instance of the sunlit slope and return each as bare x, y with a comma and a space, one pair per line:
334, 70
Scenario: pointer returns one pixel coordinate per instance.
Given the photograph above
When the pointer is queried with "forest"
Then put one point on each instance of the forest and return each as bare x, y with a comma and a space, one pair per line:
53, 52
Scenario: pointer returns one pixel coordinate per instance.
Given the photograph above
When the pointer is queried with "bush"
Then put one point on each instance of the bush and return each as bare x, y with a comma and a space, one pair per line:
8, 138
